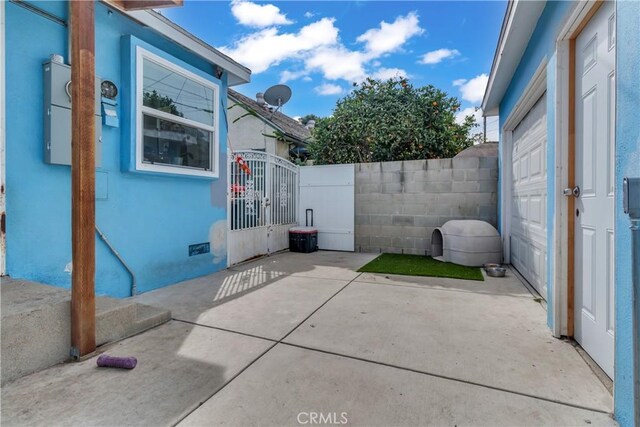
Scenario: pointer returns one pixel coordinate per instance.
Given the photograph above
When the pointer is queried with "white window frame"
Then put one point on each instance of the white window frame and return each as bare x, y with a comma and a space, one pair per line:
141, 55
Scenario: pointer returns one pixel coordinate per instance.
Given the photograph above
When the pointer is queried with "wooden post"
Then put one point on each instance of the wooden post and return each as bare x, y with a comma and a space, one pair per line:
83, 322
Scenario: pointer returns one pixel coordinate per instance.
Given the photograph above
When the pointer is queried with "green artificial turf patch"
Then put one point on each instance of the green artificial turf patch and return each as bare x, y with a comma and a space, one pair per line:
418, 265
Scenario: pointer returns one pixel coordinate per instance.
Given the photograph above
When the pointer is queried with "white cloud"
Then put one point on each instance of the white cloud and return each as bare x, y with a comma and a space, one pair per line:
439, 55
328, 89
316, 48
309, 14
268, 47
287, 75
256, 15
390, 37
459, 82
388, 73
338, 62
469, 111
307, 79
473, 90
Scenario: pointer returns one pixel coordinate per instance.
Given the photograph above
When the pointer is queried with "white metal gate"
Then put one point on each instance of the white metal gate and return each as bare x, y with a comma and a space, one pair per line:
262, 205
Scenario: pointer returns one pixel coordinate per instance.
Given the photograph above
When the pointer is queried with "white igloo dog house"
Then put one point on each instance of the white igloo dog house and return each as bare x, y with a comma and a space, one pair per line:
466, 242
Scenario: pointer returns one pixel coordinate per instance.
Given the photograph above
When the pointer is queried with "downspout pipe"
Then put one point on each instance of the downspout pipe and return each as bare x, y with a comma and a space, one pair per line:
134, 289
635, 271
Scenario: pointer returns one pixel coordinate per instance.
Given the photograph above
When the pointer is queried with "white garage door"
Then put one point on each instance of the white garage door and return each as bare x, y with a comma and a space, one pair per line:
529, 195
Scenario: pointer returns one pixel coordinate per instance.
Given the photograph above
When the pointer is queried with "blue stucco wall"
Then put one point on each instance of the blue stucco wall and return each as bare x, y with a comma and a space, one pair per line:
627, 164
541, 47
150, 220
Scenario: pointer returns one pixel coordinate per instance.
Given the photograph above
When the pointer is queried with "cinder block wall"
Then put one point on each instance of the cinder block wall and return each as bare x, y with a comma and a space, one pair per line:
398, 204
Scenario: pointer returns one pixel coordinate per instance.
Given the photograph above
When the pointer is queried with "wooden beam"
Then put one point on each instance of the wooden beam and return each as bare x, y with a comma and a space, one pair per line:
571, 203
117, 4
83, 323
127, 5
594, 9
151, 4
571, 171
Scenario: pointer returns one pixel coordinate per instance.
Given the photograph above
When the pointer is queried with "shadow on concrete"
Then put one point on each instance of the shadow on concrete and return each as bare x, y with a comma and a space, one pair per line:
189, 298
179, 366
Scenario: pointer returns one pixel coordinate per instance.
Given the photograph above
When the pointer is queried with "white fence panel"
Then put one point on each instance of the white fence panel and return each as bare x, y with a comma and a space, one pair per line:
330, 191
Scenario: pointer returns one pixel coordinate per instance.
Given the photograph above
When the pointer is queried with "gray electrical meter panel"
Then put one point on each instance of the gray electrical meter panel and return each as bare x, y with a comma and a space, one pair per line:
57, 115
631, 197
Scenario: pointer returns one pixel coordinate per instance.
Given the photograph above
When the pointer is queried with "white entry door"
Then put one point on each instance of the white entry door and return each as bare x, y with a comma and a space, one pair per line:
528, 235
595, 167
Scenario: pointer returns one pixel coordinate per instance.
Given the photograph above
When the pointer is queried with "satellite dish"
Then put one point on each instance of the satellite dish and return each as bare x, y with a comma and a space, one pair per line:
277, 95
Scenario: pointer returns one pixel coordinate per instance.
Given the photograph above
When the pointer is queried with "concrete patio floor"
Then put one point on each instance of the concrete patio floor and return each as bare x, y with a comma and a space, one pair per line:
271, 341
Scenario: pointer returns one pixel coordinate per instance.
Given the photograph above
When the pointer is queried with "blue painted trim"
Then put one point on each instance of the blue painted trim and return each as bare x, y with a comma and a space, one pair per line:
627, 164
541, 44
500, 178
551, 187
129, 45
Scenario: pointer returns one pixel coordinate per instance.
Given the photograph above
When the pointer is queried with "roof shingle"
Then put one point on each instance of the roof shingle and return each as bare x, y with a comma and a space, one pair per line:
292, 128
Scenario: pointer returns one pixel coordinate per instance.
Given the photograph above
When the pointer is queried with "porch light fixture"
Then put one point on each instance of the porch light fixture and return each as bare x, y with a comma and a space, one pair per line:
219, 71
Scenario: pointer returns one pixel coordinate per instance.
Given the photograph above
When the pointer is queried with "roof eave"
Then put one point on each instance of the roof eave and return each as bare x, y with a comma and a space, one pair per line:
520, 21
297, 141
257, 114
294, 139
237, 73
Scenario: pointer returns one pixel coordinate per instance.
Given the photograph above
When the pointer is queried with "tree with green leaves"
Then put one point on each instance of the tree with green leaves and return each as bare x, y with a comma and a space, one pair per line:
305, 119
391, 120
160, 102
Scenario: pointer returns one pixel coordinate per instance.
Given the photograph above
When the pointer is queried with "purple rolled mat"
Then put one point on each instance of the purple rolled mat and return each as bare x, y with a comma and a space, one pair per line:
106, 361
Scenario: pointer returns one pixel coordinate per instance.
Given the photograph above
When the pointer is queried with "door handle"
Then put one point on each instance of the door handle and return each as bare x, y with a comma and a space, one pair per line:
575, 191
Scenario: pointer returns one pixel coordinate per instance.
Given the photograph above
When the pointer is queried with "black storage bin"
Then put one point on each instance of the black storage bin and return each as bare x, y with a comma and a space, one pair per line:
303, 239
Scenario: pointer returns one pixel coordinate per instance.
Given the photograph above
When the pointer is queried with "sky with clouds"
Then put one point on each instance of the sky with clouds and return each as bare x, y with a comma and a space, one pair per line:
320, 48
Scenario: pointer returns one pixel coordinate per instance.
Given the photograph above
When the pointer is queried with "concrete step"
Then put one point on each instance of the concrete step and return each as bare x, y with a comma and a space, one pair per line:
148, 317
35, 325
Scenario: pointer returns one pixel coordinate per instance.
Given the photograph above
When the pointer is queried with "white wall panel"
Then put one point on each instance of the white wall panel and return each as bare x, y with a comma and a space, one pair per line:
330, 191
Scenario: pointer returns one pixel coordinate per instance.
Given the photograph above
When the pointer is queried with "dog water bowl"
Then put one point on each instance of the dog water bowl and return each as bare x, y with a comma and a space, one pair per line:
491, 265
496, 271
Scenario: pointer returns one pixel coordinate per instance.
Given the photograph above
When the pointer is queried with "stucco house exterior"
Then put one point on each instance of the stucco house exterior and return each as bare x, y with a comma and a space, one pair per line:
564, 83
161, 185
256, 126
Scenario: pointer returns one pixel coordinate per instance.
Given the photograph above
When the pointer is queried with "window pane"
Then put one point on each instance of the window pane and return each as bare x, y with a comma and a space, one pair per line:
175, 144
172, 93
